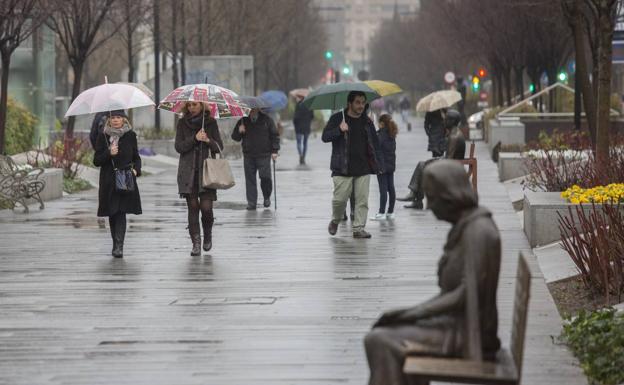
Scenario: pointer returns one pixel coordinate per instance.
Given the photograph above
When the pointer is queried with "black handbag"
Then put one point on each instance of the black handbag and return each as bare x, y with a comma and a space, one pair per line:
124, 180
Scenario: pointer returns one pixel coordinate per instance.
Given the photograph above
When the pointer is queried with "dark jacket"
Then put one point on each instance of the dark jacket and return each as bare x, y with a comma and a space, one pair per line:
110, 201
192, 152
340, 145
302, 119
388, 149
260, 139
434, 127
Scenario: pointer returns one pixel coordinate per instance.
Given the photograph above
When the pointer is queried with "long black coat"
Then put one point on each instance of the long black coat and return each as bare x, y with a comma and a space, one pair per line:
110, 201
190, 150
434, 127
388, 149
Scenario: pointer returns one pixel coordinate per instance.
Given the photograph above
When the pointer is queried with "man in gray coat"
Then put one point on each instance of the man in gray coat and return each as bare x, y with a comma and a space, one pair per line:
261, 143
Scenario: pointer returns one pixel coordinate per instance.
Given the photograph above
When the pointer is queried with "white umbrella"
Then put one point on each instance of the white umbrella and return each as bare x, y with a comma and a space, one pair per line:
438, 100
108, 97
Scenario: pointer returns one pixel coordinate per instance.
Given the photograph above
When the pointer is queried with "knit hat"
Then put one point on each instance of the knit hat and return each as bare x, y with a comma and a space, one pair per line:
121, 113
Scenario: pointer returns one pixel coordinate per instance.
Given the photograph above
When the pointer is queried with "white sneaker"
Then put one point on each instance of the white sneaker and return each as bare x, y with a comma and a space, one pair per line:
390, 216
378, 217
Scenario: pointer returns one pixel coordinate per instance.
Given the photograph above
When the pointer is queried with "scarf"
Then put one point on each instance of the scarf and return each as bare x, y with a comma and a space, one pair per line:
116, 133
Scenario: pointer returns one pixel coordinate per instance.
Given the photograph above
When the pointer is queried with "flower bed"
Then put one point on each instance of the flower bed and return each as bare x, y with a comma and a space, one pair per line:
612, 193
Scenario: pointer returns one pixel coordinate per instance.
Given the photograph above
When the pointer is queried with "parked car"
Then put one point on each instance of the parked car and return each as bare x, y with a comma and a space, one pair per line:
475, 121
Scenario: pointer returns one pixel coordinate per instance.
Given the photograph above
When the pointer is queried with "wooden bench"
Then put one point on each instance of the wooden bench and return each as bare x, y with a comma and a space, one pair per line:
507, 369
17, 185
471, 161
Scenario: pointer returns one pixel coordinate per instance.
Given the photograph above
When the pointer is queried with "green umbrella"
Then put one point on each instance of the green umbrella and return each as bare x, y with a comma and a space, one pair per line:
334, 96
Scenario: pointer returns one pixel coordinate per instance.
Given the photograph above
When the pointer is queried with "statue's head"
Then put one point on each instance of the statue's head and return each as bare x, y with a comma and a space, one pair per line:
448, 189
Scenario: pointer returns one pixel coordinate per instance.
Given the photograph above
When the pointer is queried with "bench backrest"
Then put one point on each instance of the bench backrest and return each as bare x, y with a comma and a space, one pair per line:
7, 166
472, 150
521, 307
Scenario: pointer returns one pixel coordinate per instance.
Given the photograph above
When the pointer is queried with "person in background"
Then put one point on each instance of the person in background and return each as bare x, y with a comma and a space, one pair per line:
434, 127
387, 134
302, 121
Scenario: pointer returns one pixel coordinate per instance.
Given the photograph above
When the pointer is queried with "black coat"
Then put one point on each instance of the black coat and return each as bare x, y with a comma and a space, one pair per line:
434, 127
260, 139
340, 144
110, 201
186, 145
388, 149
302, 119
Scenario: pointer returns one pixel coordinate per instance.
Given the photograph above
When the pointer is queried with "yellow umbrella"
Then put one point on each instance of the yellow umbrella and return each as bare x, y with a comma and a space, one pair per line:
383, 88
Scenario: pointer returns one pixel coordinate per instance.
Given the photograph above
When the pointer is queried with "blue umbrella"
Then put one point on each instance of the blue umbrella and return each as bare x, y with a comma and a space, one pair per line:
277, 99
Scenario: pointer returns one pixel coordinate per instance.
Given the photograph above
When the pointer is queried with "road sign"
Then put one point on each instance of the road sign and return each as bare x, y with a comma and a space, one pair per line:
483, 95
449, 77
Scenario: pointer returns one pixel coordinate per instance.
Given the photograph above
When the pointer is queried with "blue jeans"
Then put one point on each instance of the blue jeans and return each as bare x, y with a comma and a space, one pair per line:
386, 190
302, 144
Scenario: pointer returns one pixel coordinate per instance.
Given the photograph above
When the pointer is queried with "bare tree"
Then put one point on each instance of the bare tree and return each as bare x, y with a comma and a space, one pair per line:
18, 20
77, 24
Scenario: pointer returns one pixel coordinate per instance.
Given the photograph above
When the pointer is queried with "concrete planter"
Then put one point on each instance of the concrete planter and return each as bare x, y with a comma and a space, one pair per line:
506, 132
541, 219
53, 178
159, 146
510, 165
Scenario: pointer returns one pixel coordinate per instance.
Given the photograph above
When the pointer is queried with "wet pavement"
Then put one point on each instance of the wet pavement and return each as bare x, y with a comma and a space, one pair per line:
277, 300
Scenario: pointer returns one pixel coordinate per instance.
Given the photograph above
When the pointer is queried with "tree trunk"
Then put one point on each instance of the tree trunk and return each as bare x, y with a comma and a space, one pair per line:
183, 42
78, 67
582, 72
156, 64
4, 88
519, 71
604, 82
174, 43
507, 77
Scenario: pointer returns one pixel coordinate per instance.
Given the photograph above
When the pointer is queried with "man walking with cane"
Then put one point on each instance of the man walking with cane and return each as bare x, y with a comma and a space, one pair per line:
261, 143
356, 154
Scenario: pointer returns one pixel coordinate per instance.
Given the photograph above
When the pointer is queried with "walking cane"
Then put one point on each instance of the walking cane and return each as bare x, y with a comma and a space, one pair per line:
274, 186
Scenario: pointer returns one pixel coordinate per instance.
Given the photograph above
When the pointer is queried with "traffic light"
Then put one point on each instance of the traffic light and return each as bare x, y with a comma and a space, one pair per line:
563, 76
532, 87
482, 73
329, 55
346, 70
476, 83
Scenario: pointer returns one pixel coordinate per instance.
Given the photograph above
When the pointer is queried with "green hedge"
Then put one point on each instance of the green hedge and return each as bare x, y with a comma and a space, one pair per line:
597, 340
20, 128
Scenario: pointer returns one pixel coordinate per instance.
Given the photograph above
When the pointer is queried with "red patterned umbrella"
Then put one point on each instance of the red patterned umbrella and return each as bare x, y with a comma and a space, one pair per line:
222, 102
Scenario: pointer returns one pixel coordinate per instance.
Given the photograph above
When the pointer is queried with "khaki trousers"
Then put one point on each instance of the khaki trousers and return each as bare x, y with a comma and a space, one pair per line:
343, 185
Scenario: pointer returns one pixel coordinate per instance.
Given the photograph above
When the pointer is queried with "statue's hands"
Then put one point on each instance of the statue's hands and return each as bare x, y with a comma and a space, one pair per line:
390, 318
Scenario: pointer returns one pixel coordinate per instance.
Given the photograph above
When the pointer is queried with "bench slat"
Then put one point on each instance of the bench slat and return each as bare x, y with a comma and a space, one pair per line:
502, 371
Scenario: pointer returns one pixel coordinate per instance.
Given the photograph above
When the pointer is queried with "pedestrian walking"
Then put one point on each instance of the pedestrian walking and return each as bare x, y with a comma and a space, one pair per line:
434, 127
355, 155
197, 138
405, 106
116, 149
261, 143
302, 120
387, 134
